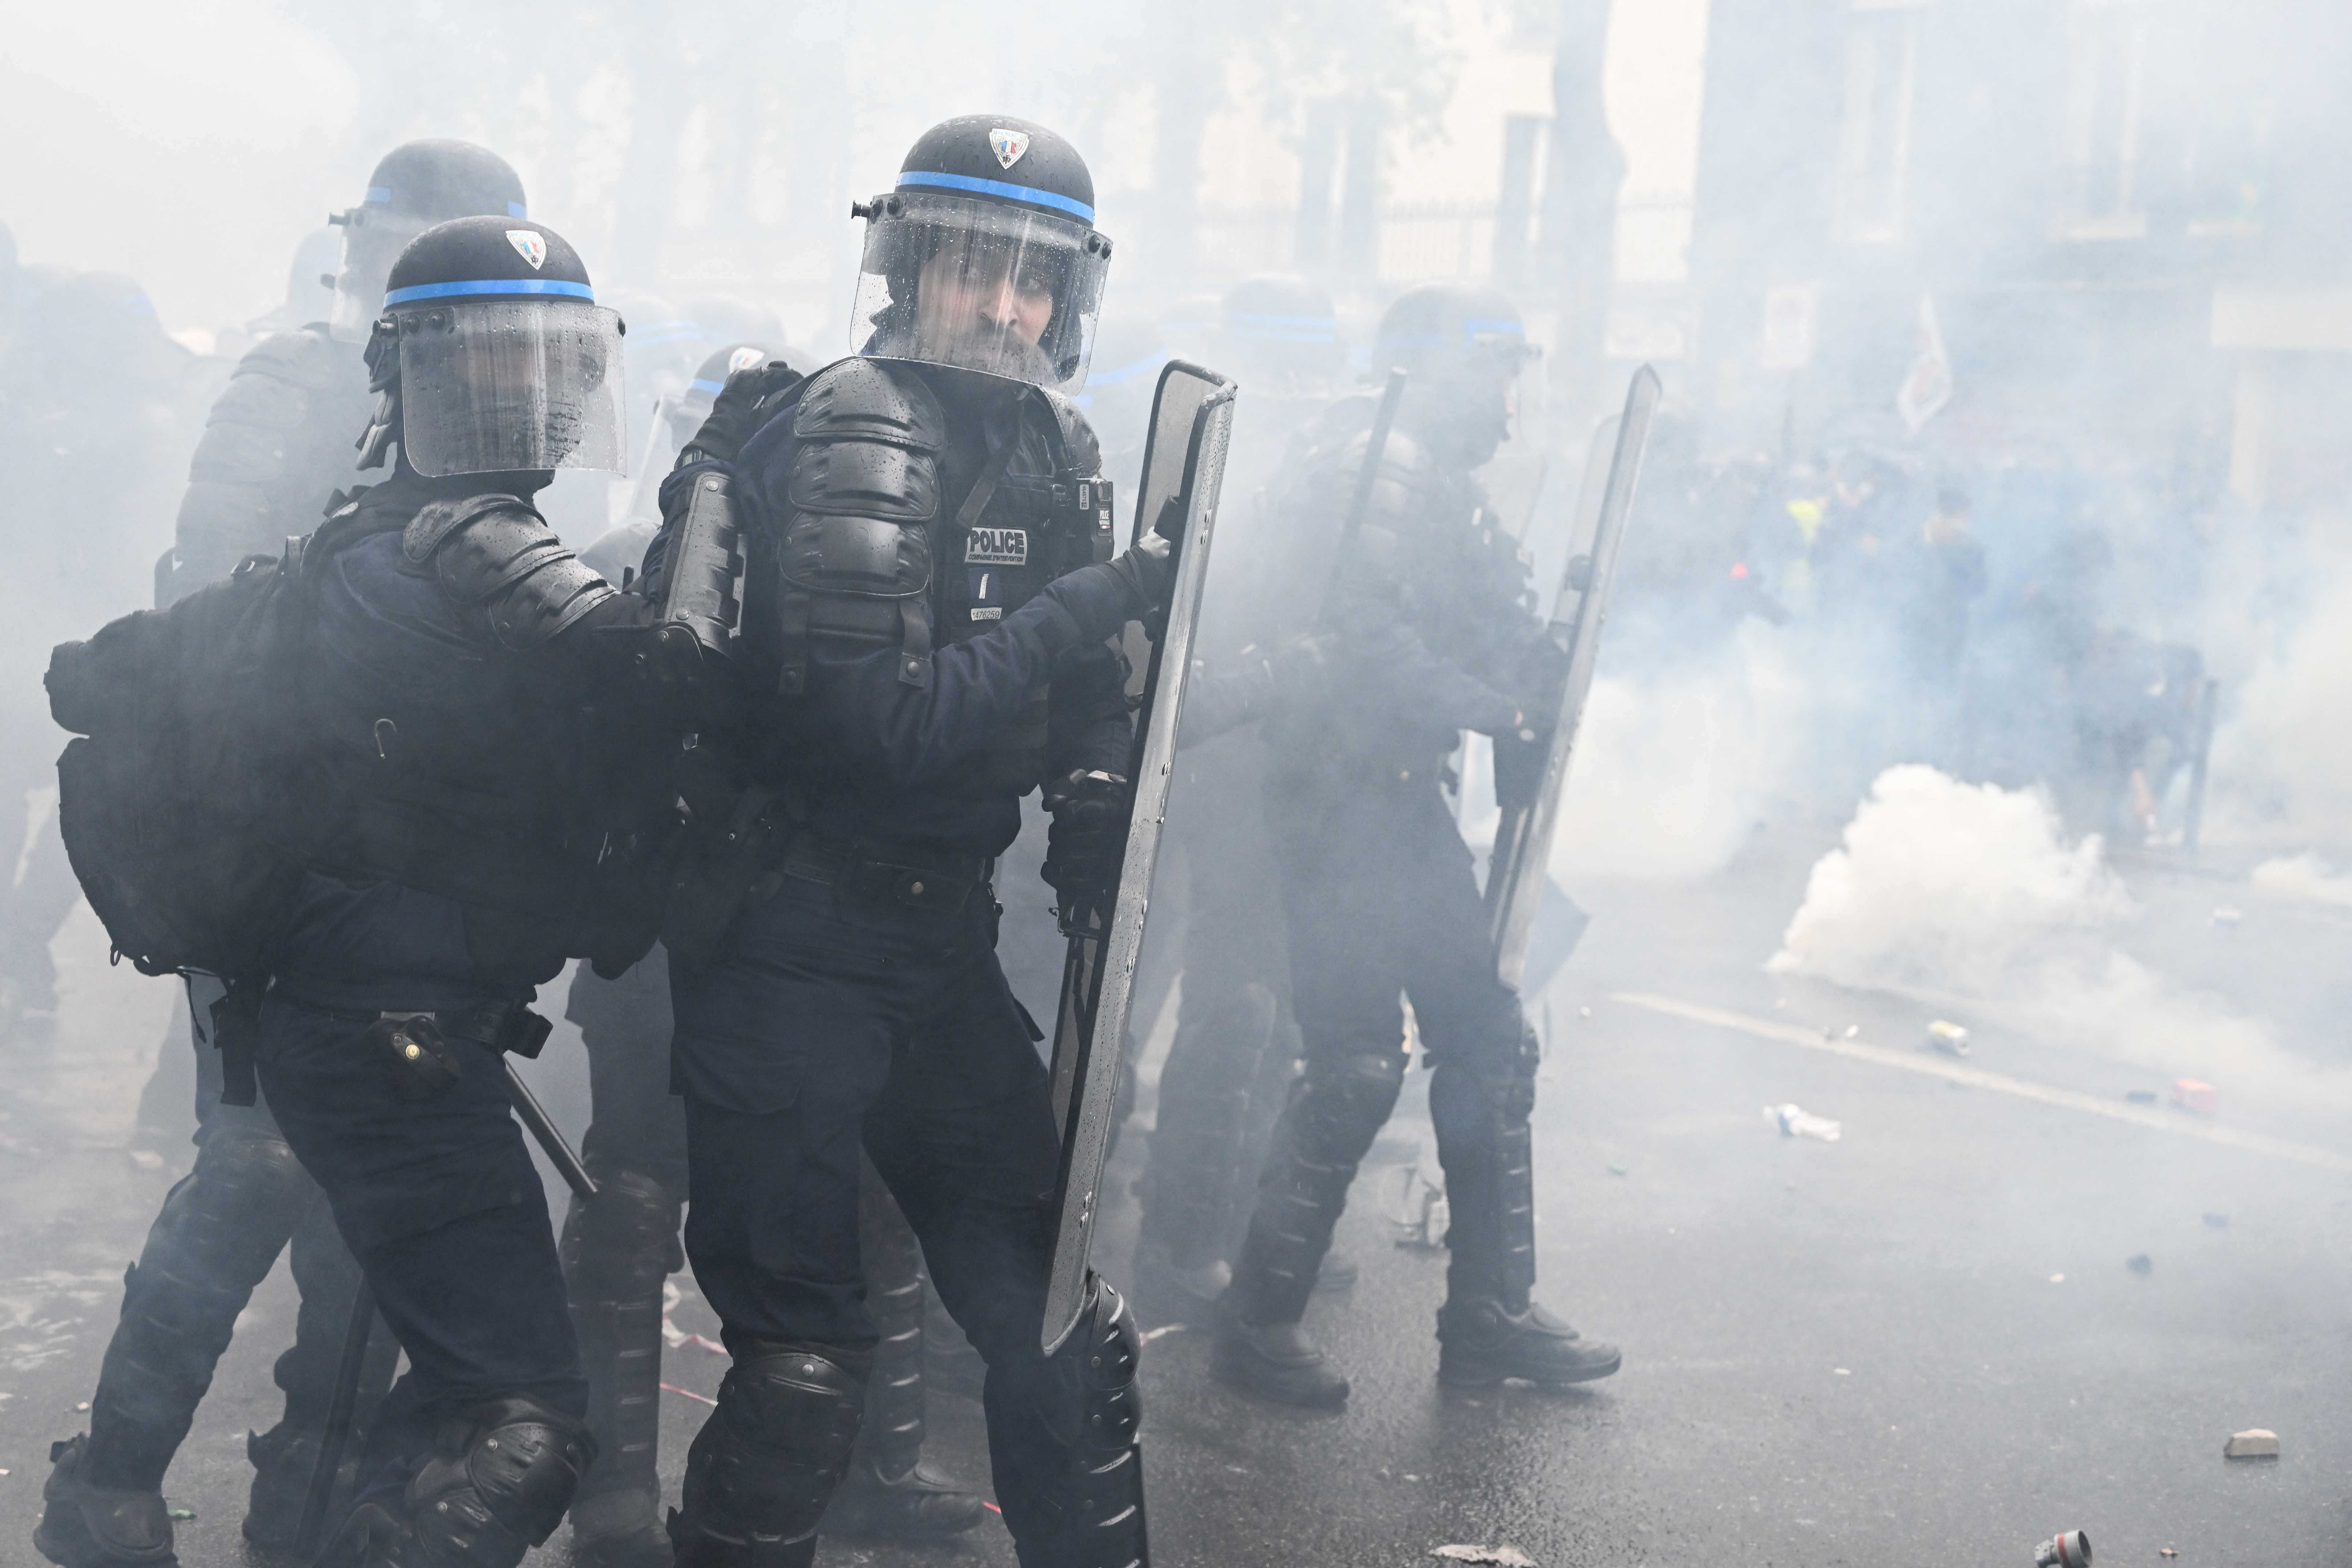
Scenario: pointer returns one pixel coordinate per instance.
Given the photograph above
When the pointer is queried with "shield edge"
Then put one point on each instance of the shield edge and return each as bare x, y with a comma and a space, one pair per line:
1516, 877
1085, 1085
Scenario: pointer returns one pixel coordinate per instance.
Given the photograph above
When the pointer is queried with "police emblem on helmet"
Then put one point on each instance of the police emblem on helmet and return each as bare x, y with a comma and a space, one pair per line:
744, 358
530, 246
1008, 145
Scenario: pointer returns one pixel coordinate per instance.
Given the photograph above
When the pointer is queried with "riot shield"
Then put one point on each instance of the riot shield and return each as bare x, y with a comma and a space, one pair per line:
1520, 869
1184, 465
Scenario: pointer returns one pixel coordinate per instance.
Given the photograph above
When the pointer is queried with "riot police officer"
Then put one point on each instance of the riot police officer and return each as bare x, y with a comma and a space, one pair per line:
926, 616
1228, 1063
278, 443
1431, 632
458, 660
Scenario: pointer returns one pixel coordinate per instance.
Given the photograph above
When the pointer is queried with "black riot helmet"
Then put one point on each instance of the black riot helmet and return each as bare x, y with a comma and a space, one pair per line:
1462, 350
1281, 335
493, 355
985, 256
414, 187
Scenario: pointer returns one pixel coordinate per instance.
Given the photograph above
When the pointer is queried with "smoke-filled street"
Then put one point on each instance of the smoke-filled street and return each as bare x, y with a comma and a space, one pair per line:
1848, 1353
1532, 783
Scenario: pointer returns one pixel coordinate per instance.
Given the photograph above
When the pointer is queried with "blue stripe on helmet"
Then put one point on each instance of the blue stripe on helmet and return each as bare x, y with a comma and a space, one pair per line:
1078, 210
515, 209
712, 387
380, 196
491, 286
1119, 374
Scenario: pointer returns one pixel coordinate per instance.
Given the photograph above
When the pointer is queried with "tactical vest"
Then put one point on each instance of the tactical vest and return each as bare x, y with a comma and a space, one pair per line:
860, 554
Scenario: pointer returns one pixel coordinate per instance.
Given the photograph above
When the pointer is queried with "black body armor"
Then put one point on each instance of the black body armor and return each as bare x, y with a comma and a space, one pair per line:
903, 528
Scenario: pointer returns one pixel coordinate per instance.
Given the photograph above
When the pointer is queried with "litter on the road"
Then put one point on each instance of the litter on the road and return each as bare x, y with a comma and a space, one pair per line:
2141, 1096
1500, 1556
2140, 1263
1853, 1031
2194, 1094
1794, 1122
2226, 915
1164, 1331
2254, 1443
181, 1514
1618, 1171
2218, 1221
2057, 1279
1948, 1038
2167, 1551
2070, 1549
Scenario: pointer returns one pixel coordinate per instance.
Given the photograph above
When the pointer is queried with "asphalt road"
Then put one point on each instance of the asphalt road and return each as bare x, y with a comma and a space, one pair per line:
1920, 1345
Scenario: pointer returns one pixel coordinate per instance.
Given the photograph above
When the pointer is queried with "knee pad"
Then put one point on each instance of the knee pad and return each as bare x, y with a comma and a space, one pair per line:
766, 1462
497, 1484
1347, 1099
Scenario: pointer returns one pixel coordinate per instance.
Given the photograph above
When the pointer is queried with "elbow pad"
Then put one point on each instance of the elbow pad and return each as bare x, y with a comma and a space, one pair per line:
497, 553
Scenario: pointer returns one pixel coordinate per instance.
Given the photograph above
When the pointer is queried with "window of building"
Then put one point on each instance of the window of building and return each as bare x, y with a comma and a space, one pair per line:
1882, 75
2106, 72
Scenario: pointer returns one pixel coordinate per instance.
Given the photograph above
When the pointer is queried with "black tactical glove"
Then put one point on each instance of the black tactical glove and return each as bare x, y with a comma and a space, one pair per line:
741, 407
1087, 840
1148, 567
1519, 757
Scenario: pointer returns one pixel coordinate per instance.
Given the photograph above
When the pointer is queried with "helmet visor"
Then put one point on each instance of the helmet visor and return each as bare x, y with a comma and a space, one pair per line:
372, 240
980, 285
498, 386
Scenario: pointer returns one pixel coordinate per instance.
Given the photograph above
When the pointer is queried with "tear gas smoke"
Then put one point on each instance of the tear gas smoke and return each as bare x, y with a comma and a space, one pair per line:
1970, 894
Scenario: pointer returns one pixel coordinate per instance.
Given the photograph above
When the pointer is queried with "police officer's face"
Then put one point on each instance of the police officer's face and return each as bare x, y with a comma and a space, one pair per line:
960, 293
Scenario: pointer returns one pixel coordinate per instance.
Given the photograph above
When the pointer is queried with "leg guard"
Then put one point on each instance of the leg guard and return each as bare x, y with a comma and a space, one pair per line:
217, 1237
1062, 1430
1204, 1103
766, 1462
1480, 1108
892, 1435
888, 1491
1337, 1106
617, 1250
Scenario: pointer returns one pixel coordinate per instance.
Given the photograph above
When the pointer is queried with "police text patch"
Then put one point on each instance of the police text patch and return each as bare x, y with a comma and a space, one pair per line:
996, 547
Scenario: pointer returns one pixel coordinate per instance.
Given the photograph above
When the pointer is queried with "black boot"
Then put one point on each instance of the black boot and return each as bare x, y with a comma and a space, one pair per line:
888, 1491
913, 1505
1278, 1363
217, 1237
618, 1247
1480, 1344
88, 1526
1168, 1292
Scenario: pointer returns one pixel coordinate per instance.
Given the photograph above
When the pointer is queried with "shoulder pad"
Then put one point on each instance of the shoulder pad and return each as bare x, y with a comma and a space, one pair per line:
1080, 447
497, 551
307, 357
1406, 485
870, 400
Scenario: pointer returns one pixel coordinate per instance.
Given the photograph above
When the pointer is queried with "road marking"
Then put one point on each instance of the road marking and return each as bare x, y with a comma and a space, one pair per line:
1999, 1083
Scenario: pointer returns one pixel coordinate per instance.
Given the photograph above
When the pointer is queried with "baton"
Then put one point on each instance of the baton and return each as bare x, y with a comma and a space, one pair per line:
534, 1118
328, 1467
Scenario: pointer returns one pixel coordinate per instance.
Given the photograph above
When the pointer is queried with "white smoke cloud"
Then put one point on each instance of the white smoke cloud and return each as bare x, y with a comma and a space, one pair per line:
1673, 770
1968, 893
2302, 878
2282, 774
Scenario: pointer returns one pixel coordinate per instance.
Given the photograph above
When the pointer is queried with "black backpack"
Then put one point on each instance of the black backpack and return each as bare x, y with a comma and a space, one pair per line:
182, 802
